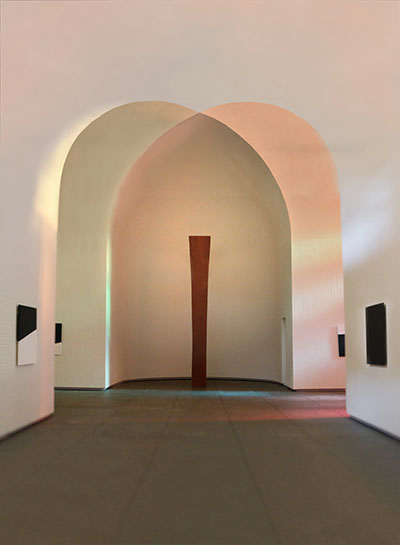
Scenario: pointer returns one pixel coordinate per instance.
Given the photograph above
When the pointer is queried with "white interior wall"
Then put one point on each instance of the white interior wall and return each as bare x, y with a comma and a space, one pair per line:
302, 165
95, 167
335, 64
199, 178
308, 181
371, 222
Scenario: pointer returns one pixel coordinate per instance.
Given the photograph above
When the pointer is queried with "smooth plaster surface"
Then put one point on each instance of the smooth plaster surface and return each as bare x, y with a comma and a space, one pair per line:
334, 64
306, 176
199, 178
241, 463
95, 167
303, 166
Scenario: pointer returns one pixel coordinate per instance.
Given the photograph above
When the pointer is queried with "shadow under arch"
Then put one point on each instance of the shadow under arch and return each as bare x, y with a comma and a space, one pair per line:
95, 167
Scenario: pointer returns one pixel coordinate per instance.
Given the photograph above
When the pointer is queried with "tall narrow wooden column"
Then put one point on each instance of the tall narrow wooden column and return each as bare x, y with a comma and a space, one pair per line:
199, 259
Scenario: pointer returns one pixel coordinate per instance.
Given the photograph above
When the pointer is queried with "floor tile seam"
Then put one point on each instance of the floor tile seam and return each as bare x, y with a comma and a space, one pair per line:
114, 411
123, 405
336, 411
100, 406
42, 467
262, 398
277, 408
294, 422
79, 404
348, 420
378, 497
249, 390
364, 484
251, 474
313, 401
214, 389
145, 471
342, 463
259, 395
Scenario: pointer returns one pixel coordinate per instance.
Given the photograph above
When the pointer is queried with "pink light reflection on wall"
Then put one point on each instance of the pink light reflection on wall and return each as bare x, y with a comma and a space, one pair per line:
303, 167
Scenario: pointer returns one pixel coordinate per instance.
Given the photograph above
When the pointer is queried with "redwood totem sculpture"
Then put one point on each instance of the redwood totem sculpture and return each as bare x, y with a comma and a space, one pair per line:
199, 260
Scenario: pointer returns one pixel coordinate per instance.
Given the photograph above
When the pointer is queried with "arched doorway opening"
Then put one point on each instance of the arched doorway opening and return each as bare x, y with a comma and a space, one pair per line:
101, 159
200, 177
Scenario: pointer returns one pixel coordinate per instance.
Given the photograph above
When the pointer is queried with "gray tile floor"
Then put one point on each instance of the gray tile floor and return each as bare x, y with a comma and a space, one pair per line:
242, 463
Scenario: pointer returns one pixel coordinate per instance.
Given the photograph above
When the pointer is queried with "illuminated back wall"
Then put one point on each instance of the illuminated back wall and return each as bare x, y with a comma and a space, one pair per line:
199, 178
94, 170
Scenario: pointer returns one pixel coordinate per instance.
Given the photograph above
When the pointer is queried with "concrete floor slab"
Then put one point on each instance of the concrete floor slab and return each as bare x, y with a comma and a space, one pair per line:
240, 463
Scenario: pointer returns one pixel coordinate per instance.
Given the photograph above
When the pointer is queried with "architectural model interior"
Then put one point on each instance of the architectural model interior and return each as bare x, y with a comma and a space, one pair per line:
199, 293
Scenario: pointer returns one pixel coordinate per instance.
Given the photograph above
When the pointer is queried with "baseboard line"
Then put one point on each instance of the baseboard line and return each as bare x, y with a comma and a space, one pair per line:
148, 379
376, 428
232, 378
319, 390
79, 389
190, 378
154, 379
23, 428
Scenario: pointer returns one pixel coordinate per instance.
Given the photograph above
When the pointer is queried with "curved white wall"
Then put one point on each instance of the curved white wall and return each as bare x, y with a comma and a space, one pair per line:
303, 167
96, 166
199, 178
94, 169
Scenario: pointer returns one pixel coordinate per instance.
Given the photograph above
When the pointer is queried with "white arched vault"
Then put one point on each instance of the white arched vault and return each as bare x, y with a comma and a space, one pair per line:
96, 166
199, 177
303, 166
97, 163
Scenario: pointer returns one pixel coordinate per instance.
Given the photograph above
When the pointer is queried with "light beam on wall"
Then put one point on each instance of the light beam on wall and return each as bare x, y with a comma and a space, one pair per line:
368, 225
48, 188
312, 252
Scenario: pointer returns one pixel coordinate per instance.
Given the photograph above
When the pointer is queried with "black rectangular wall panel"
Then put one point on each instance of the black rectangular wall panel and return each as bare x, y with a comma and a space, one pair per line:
375, 319
58, 333
26, 321
341, 345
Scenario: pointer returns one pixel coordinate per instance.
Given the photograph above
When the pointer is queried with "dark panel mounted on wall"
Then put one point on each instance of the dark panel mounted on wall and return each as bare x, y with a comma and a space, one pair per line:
26, 335
58, 339
58, 333
341, 345
375, 319
26, 321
